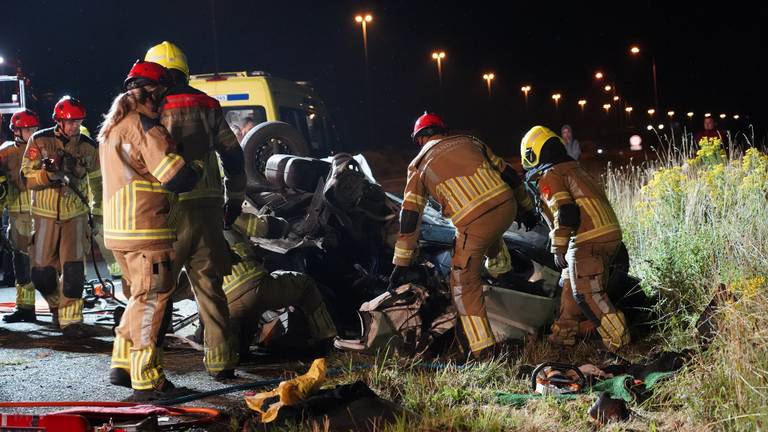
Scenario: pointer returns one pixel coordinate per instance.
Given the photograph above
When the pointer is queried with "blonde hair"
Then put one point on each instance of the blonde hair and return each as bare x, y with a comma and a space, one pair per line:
123, 104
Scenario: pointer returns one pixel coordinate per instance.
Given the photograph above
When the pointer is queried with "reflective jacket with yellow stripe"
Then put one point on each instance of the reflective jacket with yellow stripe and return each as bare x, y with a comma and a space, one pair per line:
52, 199
196, 122
17, 198
592, 220
465, 178
249, 271
141, 173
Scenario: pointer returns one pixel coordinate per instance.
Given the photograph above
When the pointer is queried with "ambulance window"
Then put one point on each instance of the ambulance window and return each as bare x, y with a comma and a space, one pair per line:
235, 116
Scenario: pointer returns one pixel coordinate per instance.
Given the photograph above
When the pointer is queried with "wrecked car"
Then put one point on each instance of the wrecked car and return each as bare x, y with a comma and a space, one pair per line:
343, 229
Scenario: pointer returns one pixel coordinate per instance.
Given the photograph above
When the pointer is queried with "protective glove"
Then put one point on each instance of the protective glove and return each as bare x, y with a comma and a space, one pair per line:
277, 227
50, 165
51, 168
232, 209
530, 219
396, 278
560, 261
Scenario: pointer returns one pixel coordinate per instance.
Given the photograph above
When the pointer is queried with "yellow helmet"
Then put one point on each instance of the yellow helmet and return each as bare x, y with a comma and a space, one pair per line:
168, 55
533, 141
84, 131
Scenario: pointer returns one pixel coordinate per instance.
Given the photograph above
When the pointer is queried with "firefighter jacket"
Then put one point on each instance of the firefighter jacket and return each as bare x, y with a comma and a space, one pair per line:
51, 198
142, 171
249, 269
196, 122
465, 178
576, 207
17, 196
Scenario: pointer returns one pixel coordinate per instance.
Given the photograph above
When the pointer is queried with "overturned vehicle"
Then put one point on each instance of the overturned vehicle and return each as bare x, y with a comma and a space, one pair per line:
343, 230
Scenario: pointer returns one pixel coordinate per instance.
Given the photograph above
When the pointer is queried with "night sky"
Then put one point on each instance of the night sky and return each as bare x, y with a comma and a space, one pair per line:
708, 59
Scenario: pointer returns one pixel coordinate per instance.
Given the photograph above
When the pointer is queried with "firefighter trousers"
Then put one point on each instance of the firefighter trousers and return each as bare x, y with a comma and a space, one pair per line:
584, 296
20, 236
474, 242
57, 256
138, 339
275, 291
201, 249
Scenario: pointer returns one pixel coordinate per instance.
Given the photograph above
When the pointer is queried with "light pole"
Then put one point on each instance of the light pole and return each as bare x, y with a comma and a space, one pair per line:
488, 78
364, 20
582, 103
607, 108
556, 97
525, 89
438, 56
635, 51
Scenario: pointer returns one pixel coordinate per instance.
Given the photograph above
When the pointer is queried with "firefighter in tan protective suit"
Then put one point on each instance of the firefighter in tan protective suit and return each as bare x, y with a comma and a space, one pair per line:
57, 165
16, 200
196, 121
251, 290
585, 236
141, 167
480, 193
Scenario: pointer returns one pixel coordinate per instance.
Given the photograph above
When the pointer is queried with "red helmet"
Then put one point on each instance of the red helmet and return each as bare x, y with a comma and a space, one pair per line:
428, 120
143, 73
24, 119
68, 108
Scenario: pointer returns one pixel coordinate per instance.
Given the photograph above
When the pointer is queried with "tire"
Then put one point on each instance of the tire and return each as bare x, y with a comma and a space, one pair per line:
265, 140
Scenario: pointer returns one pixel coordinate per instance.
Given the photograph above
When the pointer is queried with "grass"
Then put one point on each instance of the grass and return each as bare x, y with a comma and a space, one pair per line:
692, 219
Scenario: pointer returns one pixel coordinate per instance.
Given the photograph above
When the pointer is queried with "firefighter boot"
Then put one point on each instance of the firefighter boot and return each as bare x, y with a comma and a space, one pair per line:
120, 377
21, 315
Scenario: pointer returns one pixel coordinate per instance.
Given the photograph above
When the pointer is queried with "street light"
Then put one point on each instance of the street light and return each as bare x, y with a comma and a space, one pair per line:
607, 107
582, 103
635, 50
598, 75
707, 114
651, 112
488, 78
628, 110
671, 114
556, 97
735, 116
615, 98
364, 20
722, 116
608, 88
661, 126
525, 89
438, 56
690, 114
